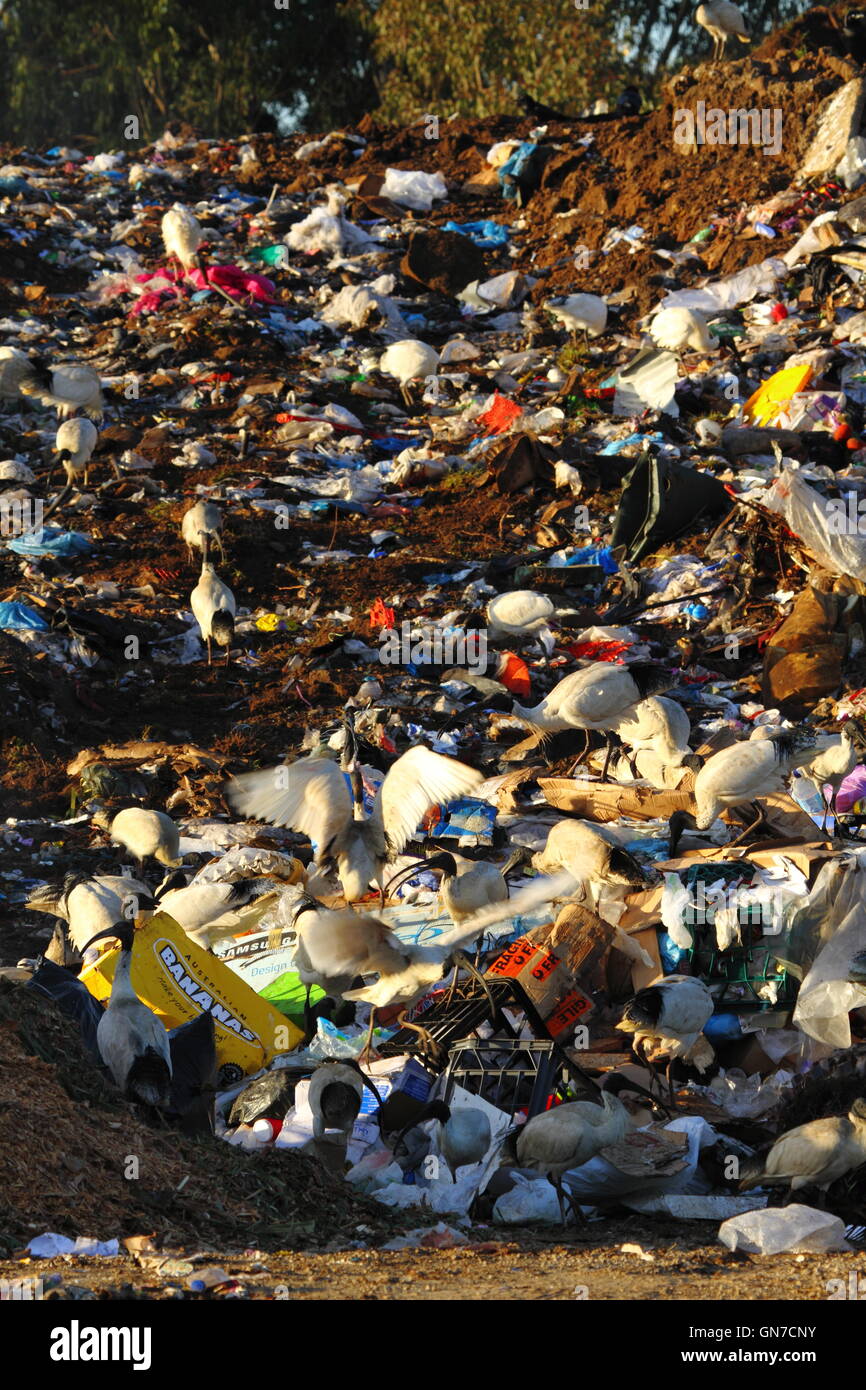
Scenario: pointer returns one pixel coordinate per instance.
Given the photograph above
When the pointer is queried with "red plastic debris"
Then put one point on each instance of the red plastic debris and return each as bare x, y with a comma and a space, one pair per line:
501, 414
381, 616
599, 651
515, 674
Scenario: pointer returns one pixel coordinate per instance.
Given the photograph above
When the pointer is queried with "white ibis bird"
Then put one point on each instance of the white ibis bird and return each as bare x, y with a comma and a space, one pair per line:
722, 19
837, 757
463, 1135
91, 905
345, 943
812, 1155
312, 797
146, 834
335, 1095
200, 526
409, 360
209, 911
678, 330
466, 885
596, 697
666, 1021
567, 1136
591, 854
736, 776
69, 386
132, 1041
182, 236
213, 606
586, 313
522, 613
15, 369
74, 443
659, 726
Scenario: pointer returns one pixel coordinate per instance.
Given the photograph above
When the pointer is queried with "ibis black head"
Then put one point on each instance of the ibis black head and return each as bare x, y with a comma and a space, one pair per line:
123, 930
679, 821
693, 761
306, 903
222, 627
650, 678
170, 884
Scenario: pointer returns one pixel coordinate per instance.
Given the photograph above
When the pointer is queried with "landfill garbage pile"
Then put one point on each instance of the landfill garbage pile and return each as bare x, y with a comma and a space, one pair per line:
433, 658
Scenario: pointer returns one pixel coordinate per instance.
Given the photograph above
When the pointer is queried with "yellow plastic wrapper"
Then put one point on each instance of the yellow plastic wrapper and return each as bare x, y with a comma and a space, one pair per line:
774, 395
180, 980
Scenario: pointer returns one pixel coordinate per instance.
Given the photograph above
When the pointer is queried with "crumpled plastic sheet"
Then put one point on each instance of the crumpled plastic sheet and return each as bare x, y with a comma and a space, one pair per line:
826, 996
412, 188
51, 1244
784, 1230
736, 289
821, 525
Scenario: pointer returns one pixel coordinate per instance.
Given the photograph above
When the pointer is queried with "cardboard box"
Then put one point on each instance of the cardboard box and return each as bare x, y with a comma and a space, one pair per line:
543, 977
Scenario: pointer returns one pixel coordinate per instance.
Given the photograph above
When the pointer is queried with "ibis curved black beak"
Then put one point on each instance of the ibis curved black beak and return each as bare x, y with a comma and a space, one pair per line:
124, 932
442, 861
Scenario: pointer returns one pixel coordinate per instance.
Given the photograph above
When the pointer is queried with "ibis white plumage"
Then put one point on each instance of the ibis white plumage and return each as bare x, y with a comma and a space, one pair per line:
597, 697
681, 330
213, 605
584, 313
312, 797
132, 1042
70, 386
463, 1133
837, 757
466, 885
209, 911
181, 235
200, 526
661, 727
812, 1155
92, 905
722, 20
74, 444
570, 1135
667, 1019
409, 360
146, 834
738, 775
591, 854
522, 613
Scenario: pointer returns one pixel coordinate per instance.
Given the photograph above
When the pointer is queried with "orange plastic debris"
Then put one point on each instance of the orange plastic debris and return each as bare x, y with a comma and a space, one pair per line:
501, 415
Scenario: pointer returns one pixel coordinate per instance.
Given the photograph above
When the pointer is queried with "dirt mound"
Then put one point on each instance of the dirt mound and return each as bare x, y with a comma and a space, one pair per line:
66, 1139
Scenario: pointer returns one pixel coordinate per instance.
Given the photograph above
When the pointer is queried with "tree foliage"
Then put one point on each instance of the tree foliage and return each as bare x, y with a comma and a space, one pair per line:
74, 69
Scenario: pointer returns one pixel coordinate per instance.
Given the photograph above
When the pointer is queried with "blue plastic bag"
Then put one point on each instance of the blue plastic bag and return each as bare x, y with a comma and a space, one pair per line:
18, 616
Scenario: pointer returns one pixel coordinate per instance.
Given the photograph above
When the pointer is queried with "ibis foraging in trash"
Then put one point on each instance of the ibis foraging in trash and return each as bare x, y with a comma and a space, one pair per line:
200, 526
91, 905
568, 1136
812, 1155
69, 386
586, 313
74, 443
463, 1134
409, 360
721, 19
835, 760
146, 834
666, 1021
592, 855
661, 727
522, 613
213, 605
181, 236
210, 911
598, 697
312, 797
680, 330
335, 1095
736, 776
132, 1041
